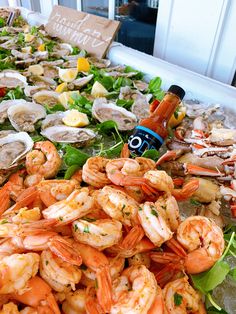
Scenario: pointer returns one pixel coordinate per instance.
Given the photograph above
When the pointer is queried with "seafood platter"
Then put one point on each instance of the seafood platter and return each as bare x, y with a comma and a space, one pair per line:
87, 226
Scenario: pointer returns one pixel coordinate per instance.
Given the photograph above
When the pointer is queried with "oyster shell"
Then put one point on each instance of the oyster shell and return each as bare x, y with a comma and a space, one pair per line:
23, 116
31, 90
46, 97
5, 104
4, 133
42, 81
141, 108
103, 111
12, 79
13, 149
140, 85
20, 55
52, 63
99, 63
80, 82
52, 120
67, 134
50, 71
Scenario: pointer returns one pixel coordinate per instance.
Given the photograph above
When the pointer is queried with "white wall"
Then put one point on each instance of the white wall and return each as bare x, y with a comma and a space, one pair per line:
198, 35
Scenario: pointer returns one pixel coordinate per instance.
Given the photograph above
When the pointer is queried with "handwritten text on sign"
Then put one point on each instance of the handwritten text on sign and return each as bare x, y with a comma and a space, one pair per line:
90, 32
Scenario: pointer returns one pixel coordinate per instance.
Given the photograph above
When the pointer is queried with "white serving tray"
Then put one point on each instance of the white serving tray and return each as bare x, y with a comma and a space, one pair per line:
197, 86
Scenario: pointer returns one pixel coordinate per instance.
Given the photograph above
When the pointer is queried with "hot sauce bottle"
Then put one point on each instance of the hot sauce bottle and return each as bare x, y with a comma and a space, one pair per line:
151, 132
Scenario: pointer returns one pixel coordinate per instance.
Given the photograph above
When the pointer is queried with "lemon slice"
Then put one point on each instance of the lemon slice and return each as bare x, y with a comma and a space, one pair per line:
177, 117
36, 69
65, 98
83, 65
75, 118
41, 47
98, 90
27, 49
61, 87
67, 75
29, 37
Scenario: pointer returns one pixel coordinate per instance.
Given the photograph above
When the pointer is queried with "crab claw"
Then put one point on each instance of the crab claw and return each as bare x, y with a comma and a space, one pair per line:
192, 169
187, 190
169, 155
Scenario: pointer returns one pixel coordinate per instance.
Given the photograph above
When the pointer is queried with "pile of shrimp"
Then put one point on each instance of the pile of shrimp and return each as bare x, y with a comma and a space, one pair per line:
109, 240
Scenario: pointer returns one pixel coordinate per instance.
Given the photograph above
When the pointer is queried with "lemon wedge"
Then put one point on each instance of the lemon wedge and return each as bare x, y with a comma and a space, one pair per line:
65, 98
61, 87
83, 65
75, 118
36, 69
98, 90
177, 117
67, 75
41, 47
26, 49
29, 38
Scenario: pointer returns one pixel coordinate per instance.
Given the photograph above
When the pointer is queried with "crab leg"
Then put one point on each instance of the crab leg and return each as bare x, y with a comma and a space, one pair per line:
196, 170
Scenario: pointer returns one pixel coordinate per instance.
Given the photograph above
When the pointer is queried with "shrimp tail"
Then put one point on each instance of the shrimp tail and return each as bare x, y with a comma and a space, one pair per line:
168, 273
91, 305
158, 305
63, 249
176, 247
25, 198
125, 153
104, 289
165, 257
4, 199
192, 264
187, 190
52, 304
134, 236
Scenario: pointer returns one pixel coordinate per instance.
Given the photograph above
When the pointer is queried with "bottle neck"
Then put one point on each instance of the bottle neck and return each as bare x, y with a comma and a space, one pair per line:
166, 107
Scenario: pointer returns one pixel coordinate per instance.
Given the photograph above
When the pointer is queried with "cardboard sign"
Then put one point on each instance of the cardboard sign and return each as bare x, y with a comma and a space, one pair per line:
86, 31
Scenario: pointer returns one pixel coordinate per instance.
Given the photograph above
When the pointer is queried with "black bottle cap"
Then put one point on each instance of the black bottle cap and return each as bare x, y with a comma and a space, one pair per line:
177, 90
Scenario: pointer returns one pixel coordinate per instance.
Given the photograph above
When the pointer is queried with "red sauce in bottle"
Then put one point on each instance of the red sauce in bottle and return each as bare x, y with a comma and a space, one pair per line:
151, 132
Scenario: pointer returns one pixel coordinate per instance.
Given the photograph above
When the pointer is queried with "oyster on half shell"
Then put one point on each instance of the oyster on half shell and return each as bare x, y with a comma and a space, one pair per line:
103, 111
67, 134
53, 119
13, 149
46, 97
23, 116
12, 79
5, 104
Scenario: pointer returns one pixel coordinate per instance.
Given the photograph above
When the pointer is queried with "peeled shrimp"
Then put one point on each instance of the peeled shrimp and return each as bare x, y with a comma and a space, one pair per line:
118, 205
52, 191
43, 160
145, 165
76, 205
204, 242
160, 180
138, 292
94, 172
154, 224
38, 295
16, 270
75, 302
169, 209
181, 298
100, 234
60, 275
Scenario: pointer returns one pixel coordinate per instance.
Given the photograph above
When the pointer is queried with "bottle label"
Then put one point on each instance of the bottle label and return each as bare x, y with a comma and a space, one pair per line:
144, 139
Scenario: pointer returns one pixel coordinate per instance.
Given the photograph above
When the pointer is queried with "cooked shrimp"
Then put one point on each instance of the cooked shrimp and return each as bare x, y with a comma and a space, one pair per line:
169, 209
52, 191
76, 205
100, 234
16, 270
158, 306
27, 215
181, 298
116, 265
32, 180
99, 263
141, 295
145, 165
60, 275
125, 172
38, 295
140, 259
11, 246
43, 160
160, 180
154, 224
118, 205
9, 308
204, 242
94, 172
75, 302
